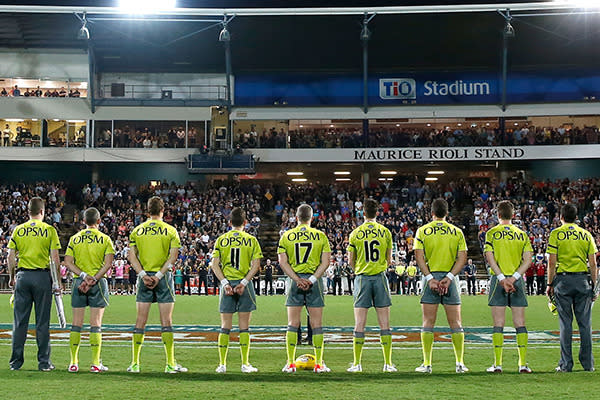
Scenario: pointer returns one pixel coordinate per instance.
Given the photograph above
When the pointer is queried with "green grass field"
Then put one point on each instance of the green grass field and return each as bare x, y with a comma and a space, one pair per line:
200, 356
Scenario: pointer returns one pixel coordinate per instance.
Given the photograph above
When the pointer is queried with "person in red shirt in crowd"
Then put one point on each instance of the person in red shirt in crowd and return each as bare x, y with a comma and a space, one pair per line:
540, 272
530, 278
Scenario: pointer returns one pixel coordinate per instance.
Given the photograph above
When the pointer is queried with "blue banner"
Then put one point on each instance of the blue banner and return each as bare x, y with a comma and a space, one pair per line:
448, 88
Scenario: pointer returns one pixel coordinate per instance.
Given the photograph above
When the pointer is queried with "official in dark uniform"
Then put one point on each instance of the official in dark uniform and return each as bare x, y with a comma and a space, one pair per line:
572, 249
470, 274
256, 283
337, 279
269, 278
203, 279
36, 244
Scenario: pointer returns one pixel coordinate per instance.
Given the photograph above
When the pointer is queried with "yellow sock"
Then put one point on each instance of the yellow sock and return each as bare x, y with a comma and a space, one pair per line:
74, 342
522, 339
245, 346
498, 342
137, 342
96, 344
318, 341
223, 345
458, 342
357, 345
427, 343
169, 343
291, 339
385, 338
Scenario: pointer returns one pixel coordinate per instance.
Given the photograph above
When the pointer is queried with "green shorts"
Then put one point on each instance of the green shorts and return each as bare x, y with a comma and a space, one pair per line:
96, 297
236, 303
312, 297
452, 298
372, 291
499, 298
164, 292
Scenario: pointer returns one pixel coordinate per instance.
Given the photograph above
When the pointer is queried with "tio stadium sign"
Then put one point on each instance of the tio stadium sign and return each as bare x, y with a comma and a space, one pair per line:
406, 88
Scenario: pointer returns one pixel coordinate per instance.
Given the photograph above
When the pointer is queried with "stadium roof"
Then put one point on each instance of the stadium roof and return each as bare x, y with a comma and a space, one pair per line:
310, 43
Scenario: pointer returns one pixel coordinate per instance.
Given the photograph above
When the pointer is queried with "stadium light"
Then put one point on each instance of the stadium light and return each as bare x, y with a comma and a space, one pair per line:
13, 120
342, 179
436, 172
84, 32
299, 180
146, 6
292, 173
580, 3
431, 178
388, 172
341, 173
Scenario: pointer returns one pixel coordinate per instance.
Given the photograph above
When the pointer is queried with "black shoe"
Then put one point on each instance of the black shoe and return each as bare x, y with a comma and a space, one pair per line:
15, 368
47, 368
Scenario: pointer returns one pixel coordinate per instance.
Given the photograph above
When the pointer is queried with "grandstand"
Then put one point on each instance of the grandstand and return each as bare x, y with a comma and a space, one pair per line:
270, 105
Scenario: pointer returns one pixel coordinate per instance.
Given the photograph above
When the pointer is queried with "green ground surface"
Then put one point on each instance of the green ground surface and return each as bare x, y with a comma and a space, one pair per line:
201, 358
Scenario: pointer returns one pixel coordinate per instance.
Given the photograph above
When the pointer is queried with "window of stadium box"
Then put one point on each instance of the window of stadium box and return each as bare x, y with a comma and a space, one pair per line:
406, 132
150, 134
43, 88
29, 132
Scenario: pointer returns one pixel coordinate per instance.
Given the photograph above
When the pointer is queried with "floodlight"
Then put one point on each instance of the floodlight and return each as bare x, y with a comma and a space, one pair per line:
146, 6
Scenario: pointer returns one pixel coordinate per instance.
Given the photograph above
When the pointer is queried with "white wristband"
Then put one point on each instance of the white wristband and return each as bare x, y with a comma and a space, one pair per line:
500, 277
159, 275
313, 279
142, 274
83, 275
450, 276
517, 276
428, 277
224, 282
244, 282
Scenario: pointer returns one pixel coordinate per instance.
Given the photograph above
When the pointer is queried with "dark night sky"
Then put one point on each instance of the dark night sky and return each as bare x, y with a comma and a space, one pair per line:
328, 43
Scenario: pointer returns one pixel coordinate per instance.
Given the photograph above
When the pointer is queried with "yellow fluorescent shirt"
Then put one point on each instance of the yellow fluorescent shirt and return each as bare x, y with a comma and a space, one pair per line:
154, 239
370, 243
88, 248
33, 240
572, 246
304, 246
441, 242
508, 243
236, 250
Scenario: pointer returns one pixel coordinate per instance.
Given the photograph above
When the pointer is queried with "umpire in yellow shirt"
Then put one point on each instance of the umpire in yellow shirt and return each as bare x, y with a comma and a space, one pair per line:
571, 250
37, 244
441, 253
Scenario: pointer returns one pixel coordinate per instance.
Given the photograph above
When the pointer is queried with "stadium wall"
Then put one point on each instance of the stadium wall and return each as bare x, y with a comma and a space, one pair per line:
59, 65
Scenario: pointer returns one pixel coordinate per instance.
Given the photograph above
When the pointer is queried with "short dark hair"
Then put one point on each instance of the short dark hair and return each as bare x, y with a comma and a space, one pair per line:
238, 217
568, 212
371, 206
304, 213
35, 206
155, 205
91, 216
439, 208
506, 210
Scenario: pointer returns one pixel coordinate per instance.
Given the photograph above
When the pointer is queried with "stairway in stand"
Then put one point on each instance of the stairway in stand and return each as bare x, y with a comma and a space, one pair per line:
268, 235
464, 218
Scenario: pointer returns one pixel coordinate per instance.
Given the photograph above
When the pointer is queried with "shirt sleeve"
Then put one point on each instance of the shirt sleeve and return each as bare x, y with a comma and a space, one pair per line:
281, 246
418, 242
527, 245
110, 247
326, 245
257, 251
175, 241
351, 246
132, 238
217, 250
54, 240
389, 240
462, 244
552, 243
12, 244
593, 249
70, 250
489, 242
